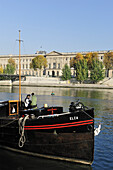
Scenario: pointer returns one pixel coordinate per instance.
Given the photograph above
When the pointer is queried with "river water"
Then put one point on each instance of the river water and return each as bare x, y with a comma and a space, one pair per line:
101, 100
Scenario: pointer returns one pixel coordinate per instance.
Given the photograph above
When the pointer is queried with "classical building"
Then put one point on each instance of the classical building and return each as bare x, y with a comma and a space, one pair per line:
55, 61
25, 63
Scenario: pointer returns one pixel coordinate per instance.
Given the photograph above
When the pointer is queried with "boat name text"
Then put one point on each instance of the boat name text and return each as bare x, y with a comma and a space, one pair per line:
73, 118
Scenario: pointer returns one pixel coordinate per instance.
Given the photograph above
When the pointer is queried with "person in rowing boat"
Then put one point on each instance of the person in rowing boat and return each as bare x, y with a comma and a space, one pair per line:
33, 101
27, 102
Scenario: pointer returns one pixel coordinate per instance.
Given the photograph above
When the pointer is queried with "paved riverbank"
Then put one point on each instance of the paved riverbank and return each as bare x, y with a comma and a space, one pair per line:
56, 82
32, 84
5, 83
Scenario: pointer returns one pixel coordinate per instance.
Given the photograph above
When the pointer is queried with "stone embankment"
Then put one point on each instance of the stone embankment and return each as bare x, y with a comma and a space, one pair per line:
56, 82
5, 83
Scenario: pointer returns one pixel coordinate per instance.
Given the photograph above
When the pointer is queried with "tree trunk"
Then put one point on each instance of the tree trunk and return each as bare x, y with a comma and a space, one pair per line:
40, 73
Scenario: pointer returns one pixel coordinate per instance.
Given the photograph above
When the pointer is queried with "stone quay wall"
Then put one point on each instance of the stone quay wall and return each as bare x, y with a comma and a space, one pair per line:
57, 82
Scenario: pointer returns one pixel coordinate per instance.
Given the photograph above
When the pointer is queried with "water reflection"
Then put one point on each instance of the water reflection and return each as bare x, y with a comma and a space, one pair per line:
77, 92
101, 100
6, 89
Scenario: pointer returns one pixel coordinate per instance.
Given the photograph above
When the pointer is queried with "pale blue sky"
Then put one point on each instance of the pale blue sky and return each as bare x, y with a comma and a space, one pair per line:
60, 25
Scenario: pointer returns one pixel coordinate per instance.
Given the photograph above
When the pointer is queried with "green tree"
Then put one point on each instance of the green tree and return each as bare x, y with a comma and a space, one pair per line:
89, 58
97, 72
10, 67
81, 70
38, 62
84, 69
66, 73
108, 61
73, 61
11, 61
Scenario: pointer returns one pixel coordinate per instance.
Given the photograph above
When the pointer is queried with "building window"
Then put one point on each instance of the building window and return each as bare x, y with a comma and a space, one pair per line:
101, 57
49, 65
57, 73
16, 66
23, 66
59, 65
53, 73
26, 60
23, 60
48, 73
54, 65
26, 66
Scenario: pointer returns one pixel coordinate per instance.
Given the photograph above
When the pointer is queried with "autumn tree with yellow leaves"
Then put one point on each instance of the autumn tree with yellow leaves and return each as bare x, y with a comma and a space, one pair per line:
108, 61
74, 61
1, 70
38, 62
89, 57
91, 62
10, 67
80, 65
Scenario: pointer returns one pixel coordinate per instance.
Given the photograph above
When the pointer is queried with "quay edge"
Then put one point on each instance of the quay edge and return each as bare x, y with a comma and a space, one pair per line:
55, 82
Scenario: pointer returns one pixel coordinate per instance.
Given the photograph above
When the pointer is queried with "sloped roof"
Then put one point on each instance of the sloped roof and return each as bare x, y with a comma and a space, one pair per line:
53, 53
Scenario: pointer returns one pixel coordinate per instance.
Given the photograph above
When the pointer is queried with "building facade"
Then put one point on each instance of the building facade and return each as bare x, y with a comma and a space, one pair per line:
55, 61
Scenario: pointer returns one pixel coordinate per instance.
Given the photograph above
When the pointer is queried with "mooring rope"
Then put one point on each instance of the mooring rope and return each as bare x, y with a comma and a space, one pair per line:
87, 114
8, 123
21, 123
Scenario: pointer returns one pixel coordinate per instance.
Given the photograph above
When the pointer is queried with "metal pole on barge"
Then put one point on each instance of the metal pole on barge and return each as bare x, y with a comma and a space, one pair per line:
19, 70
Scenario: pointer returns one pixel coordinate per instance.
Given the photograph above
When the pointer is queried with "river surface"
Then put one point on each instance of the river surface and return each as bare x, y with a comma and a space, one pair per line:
101, 100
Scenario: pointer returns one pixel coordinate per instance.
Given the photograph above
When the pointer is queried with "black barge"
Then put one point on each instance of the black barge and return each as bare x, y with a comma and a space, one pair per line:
48, 131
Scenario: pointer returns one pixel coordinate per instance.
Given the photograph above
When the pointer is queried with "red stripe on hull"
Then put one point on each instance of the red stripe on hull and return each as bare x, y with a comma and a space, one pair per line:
80, 123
